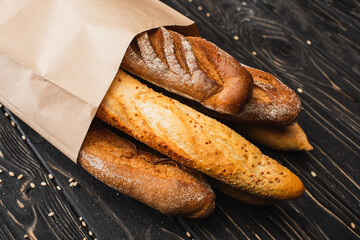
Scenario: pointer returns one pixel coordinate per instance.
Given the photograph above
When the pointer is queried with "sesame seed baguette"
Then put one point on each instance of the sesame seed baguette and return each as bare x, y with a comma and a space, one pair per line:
191, 67
283, 138
195, 140
138, 172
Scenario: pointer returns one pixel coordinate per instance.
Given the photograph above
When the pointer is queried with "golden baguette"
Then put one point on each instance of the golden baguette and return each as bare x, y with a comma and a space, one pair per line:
284, 138
144, 175
195, 140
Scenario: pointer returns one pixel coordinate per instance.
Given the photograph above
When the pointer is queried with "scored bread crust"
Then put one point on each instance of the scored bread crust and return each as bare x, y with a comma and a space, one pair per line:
272, 102
144, 175
195, 140
191, 67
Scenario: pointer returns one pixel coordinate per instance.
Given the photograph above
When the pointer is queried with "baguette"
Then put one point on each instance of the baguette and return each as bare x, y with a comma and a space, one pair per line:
284, 138
195, 140
272, 102
144, 175
239, 194
197, 69
191, 67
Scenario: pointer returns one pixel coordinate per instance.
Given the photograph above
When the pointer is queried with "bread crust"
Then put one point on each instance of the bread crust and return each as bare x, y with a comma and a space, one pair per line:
283, 138
159, 182
195, 140
272, 102
191, 67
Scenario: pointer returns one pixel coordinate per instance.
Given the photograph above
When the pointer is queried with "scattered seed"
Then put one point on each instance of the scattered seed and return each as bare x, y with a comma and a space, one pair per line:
80, 218
352, 225
70, 180
12, 123
190, 0
11, 174
23, 137
51, 214
91, 233
75, 184
313, 174
83, 223
1, 105
0, 180
26, 236
188, 234
208, 14
51, 176
254, 53
71, 184
84, 238
58, 188
308, 42
6, 114
299, 90
236, 37
32, 185
20, 176
43, 184
200, 8
1, 171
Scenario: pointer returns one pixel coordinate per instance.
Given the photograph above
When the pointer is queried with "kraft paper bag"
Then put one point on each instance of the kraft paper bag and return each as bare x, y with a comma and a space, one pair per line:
59, 57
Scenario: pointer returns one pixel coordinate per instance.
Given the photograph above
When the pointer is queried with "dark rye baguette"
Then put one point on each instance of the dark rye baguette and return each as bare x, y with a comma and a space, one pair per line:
191, 67
159, 182
195, 140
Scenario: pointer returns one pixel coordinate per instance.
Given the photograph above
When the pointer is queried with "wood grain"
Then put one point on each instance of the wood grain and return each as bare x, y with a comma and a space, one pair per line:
278, 32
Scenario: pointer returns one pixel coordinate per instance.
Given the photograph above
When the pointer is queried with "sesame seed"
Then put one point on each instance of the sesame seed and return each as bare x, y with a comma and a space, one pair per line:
43, 184
208, 14
58, 188
1, 170
308, 42
299, 90
23, 137
6, 114
83, 223
11, 174
12, 123
51, 176
51, 214
71, 184
32, 185
190, 0
0, 180
254, 53
84, 238
313, 174
188, 234
352, 225
70, 180
200, 8
20, 176
236, 37
75, 184
80, 218
26, 236
1, 105
91, 233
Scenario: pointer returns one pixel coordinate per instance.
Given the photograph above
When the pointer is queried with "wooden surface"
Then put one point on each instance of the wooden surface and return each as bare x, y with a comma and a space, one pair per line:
311, 45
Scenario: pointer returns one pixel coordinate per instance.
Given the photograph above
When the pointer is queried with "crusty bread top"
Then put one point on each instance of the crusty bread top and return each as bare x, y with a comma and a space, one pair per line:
272, 102
145, 175
195, 140
191, 67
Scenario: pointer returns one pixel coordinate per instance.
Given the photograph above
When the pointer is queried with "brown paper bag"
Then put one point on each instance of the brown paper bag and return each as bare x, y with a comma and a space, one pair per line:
59, 57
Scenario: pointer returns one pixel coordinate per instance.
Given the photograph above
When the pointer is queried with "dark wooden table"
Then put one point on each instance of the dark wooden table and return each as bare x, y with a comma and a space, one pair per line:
312, 46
